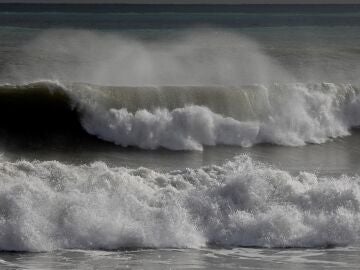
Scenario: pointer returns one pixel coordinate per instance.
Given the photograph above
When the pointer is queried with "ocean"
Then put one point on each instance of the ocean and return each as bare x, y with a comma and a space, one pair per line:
179, 136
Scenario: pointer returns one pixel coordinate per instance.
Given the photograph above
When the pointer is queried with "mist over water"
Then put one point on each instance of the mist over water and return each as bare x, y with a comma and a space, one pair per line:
203, 56
199, 57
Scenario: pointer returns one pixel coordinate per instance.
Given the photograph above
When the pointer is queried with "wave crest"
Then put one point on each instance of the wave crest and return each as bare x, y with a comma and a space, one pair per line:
285, 114
182, 118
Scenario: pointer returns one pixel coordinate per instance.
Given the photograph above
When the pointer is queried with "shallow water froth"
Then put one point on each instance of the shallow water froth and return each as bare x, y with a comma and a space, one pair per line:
49, 205
243, 258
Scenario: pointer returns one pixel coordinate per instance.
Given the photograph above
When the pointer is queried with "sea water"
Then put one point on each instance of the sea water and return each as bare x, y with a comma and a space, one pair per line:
166, 137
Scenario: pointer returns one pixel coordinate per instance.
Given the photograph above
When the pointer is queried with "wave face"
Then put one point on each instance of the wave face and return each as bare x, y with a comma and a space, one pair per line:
183, 118
50, 205
38, 114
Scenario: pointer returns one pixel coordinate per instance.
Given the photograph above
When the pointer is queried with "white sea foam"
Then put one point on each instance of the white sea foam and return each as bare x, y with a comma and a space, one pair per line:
186, 128
50, 205
288, 114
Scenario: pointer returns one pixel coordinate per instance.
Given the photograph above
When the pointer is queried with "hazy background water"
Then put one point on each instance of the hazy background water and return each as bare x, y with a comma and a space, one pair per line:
315, 43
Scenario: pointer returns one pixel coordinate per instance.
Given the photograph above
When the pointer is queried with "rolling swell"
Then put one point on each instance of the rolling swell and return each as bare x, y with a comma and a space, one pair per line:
177, 117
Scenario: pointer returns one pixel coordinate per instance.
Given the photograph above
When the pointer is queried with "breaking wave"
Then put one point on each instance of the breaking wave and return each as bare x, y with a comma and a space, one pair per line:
50, 205
182, 118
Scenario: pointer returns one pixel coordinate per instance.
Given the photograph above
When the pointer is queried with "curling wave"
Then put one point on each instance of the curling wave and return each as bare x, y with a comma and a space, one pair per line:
183, 118
50, 205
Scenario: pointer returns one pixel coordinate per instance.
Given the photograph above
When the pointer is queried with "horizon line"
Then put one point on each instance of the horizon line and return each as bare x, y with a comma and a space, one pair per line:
169, 4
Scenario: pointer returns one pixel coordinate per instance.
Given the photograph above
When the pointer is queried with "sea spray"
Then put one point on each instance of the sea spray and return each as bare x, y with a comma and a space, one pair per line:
196, 57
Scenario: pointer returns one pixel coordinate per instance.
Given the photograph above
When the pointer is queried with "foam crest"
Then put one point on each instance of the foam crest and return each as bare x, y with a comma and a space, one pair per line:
284, 114
186, 128
50, 205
